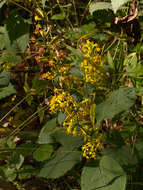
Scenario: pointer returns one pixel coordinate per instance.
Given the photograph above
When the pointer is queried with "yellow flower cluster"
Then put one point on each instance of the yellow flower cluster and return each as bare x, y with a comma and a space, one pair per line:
91, 147
92, 64
63, 102
77, 115
47, 75
78, 119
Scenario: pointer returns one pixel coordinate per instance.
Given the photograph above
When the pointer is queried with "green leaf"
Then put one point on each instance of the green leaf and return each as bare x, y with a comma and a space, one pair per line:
67, 140
26, 172
4, 34
21, 42
26, 149
2, 42
18, 32
91, 178
123, 155
63, 161
60, 16
4, 78
110, 60
76, 71
7, 91
92, 114
10, 57
43, 3
109, 175
95, 6
2, 3
88, 30
44, 152
44, 136
116, 4
133, 68
139, 149
77, 53
120, 100
61, 117
10, 173
16, 161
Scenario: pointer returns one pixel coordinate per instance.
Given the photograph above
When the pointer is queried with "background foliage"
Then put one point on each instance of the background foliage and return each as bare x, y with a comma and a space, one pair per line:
71, 95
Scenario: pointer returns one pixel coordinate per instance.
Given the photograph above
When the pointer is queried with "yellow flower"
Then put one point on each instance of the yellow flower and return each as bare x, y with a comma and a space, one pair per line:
37, 18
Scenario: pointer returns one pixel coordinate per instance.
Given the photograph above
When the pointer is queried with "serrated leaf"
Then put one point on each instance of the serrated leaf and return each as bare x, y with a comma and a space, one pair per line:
7, 91
119, 101
95, 6
4, 78
63, 161
116, 4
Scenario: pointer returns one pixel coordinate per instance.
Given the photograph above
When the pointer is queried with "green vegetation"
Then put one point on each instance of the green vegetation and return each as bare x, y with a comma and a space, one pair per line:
71, 94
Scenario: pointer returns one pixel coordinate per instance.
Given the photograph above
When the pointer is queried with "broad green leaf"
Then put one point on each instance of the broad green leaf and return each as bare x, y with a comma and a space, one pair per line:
7, 91
116, 4
95, 6
44, 152
44, 136
119, 101
91, 178
4, 78
67, 140
123, 155
63, 161
60, 16
108, 176
110, 169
